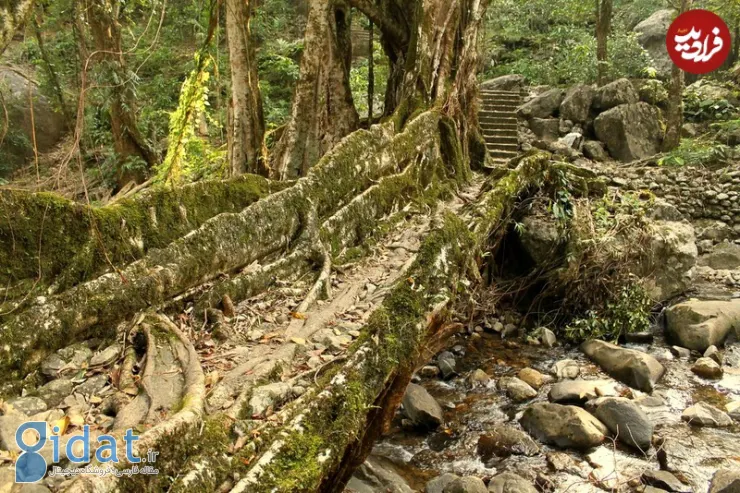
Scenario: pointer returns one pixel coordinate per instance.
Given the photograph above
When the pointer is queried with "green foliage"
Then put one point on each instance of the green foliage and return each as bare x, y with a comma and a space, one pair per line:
359, 77
279, 71
699, 152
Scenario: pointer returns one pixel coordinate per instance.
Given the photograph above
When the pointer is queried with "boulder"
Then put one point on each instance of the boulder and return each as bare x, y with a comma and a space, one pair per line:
651, 34
710, 229
576, 105
540, 238
511, 82
710, 90
563, 426
548, 338
516, 389
566, 369
547, 129
544, 105
580, 391
438, 484
634, 368
421, 408
726, 481
594, 150
446, 363
468, 484
703, 414
503, 441
508, 482
617, 93
630, 131
698, 324
672, 254
725, 256
50, 125
377, 474
574, 140
707, 368
626, 421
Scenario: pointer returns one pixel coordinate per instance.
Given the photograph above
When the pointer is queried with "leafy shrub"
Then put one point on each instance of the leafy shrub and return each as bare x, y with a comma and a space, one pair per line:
699, 152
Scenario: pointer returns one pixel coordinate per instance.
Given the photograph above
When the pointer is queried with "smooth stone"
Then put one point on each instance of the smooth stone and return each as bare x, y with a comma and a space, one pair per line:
51, 366
478, 378
516, 389
377, 474
580, 391
106, 356
726, 481
698, 324
707, 368
508, 482
421, 408
680, 352
634, 368
713, 353
28, 405
566, 368
703, 414
548, 338
626, 421
92, 385
534, 378
468, 484
446, 363
665, 481
563, 426
733, 409
503, 441
54, 392
438, 484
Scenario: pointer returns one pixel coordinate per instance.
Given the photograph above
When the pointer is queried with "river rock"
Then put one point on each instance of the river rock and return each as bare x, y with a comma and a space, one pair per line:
630, 131
673, 253
54, 392
580, 391
703, 414
438, 484
478, 378
446, 363
546, 129
619, 92
651, 34
665, 481
576, 106
468, 484
548, 338
421, 408
540, 238
626, 421
503, 441
594, 150
563, 426
516, 389
713, 353
544, 105
733, 409
28, 405
707, 368
377, 474
726, 481
725, 256
634, 368
51, 365
106, 356
533, 378
566, 368
508, 482
698, 324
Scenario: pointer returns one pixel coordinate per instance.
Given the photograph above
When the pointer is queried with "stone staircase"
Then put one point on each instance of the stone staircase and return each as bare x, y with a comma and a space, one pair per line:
499, 123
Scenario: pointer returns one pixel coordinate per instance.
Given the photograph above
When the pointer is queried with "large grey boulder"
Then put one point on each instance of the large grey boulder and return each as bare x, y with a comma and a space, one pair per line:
726, 481
626, 421
544, 105
672, 254
615, 94
725, 256
580, 391
576, 106
503, 441
630, 131
508, 482
698, 324
377, 474
651, 34
49, 124
421, 408
540, 238
637, 369
547, 129
563, 426
512, 82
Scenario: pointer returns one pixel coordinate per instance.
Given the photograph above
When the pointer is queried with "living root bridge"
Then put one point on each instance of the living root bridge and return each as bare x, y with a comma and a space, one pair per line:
223, 244
315, 442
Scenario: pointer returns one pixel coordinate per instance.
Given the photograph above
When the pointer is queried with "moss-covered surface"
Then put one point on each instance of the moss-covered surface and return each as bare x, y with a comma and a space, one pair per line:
58, 241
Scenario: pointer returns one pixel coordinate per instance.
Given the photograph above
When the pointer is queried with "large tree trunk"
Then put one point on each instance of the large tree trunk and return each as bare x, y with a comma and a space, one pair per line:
603, 26
674, 112
13, 15
323, 111
246, 117
127, 139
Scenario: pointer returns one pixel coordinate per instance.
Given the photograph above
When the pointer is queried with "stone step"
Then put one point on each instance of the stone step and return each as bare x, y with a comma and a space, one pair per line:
502, 147
495, 97
511, 110
506, 101
509, 120
503, 94
496, 154
496, 114
503, 140
499, 129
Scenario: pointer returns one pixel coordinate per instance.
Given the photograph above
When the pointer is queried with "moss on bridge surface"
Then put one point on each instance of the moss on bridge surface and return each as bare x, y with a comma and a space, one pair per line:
47, 238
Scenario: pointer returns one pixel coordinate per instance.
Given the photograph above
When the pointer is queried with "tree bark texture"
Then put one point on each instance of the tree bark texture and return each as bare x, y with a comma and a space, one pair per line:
603, 27
674, 112
13, 15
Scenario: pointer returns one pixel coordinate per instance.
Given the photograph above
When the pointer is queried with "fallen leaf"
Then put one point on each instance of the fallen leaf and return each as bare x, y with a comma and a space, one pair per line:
61, 424
299, 315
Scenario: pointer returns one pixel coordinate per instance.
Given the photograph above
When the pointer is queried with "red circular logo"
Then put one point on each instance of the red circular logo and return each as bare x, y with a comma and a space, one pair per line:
698, 41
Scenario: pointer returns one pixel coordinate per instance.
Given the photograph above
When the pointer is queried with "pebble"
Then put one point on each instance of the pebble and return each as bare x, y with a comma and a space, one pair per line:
534, 378
680, 352
516, 389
